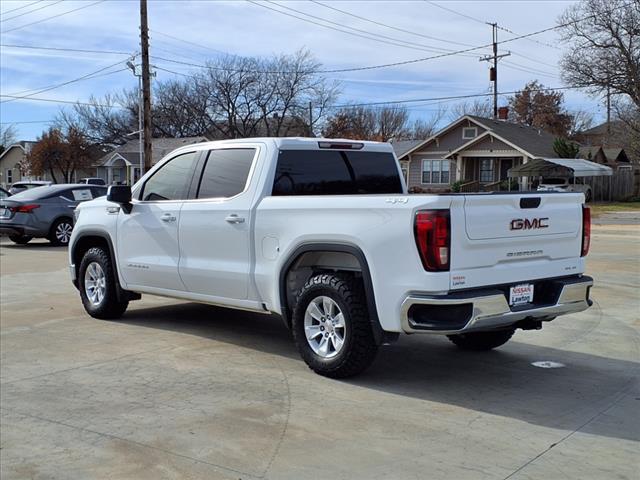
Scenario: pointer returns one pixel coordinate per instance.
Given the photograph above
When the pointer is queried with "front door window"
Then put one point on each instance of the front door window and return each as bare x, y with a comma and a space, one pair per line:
486, 170
505, 165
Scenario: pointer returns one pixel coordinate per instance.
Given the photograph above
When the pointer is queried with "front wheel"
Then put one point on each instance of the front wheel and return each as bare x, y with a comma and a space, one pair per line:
481, 341
98, 287
331, 326
20, 239
61, 232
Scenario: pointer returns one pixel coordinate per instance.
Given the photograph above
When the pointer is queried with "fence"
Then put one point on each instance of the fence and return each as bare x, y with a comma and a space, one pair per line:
619, 186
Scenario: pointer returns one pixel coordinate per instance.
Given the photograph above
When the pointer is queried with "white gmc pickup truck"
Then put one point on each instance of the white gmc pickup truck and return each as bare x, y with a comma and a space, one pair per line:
323, 233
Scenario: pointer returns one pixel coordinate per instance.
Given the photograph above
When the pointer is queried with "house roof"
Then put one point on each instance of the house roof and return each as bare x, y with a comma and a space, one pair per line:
589, 152
25, 145
602, 128
402, 147
615, 154
531, 141
534, 141
159, 148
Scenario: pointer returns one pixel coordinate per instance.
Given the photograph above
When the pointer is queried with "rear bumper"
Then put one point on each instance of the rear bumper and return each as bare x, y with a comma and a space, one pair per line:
16, 229
488, 309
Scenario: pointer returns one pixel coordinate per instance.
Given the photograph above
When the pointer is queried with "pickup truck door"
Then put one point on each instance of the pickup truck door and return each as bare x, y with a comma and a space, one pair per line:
147, 237
215, 228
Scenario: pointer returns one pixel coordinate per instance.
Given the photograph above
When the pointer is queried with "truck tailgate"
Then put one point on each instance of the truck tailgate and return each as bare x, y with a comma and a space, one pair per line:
509, 238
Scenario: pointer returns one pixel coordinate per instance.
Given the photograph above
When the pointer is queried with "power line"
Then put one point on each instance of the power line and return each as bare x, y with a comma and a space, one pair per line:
23, 6
54, 16
60, 49
54, 100
391, 26
453, 97
91, 75
391, 40
454, 11
187, 41
30, 11
28, 121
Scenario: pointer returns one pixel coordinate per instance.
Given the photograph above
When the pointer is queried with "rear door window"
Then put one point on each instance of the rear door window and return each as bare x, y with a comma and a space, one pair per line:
332, 172
226, 172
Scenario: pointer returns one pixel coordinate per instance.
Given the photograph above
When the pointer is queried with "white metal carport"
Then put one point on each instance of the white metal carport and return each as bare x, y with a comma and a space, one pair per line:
560, 167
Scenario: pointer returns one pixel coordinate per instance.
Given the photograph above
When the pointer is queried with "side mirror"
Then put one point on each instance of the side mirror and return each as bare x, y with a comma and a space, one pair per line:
120, 194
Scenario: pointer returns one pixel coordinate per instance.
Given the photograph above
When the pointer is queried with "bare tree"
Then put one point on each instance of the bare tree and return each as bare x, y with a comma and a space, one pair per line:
60, 154
480, 107
8, 136
581, 120
233, 97
369, 123
604, 47
423, 129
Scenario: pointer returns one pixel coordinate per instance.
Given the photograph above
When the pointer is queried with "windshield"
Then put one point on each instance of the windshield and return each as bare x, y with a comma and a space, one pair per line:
554, 181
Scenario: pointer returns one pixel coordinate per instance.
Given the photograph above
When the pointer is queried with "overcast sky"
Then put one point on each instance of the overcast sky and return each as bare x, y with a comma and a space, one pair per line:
244, 28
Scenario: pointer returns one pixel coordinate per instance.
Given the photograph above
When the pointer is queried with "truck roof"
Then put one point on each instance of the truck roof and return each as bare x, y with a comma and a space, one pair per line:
297, 143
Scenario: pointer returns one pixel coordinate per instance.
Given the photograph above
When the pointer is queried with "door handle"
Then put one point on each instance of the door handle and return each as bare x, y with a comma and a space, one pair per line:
233, 218
167, 217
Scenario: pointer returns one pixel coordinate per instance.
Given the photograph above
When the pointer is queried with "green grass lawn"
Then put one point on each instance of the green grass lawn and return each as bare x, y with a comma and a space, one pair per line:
598, 208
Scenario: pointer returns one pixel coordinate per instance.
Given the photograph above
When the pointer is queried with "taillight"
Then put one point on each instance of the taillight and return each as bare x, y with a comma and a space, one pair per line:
586, 230
433, 237
24, 208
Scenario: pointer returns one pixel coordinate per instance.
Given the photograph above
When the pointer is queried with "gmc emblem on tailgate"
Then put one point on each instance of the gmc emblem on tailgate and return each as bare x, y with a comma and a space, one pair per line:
526, 224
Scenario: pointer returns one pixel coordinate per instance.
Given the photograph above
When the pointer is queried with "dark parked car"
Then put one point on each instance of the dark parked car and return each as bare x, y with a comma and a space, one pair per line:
26, 185
44, 212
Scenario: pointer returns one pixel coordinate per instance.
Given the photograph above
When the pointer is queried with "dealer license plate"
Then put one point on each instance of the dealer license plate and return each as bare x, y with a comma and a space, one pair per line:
521, 294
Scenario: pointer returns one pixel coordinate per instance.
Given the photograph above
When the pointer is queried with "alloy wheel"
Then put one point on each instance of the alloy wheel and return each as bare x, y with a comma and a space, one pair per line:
324, 327
95, 283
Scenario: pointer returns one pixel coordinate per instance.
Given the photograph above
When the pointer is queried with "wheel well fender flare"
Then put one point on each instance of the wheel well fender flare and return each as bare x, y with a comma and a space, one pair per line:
378, 332
107, 239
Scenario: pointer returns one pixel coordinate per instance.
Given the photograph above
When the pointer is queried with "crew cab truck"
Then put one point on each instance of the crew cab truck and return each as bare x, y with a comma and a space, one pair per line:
323, 233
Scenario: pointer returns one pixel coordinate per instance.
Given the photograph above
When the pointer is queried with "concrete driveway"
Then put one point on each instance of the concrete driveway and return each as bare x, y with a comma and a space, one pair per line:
183, 391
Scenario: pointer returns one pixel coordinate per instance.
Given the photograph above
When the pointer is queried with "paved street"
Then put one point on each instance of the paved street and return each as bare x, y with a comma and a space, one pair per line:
183, 391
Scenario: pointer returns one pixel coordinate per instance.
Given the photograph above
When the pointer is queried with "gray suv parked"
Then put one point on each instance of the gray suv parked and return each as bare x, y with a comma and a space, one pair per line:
44, 212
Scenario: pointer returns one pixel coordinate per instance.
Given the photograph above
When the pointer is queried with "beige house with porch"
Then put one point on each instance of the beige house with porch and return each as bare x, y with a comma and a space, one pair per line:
474, 150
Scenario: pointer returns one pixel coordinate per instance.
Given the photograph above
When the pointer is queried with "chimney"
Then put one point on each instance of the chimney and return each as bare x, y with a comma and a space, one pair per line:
503, 113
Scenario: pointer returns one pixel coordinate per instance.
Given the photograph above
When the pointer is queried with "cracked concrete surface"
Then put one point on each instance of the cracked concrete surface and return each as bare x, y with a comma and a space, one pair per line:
183, 391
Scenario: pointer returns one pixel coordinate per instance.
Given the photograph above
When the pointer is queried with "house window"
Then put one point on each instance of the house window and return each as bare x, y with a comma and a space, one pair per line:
9, 175
486, 170
435, 171
469, 132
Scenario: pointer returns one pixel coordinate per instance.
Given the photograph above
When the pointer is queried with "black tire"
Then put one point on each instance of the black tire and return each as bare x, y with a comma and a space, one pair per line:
109, 307
587, 196
481, 341
58, 233
20, 239
359, 348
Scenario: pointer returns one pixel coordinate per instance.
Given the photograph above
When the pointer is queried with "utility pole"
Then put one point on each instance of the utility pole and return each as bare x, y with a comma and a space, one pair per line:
134, 68
493, 72
608, 114
146, 85
310, 119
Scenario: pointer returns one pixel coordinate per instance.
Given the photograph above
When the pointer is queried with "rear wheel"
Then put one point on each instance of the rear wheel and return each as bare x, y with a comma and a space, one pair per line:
20, 239
331, 326
480, 341
98, 287
61, 232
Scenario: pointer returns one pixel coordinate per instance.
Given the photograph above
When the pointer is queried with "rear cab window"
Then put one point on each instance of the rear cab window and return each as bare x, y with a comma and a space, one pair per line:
336, 172
226, 172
